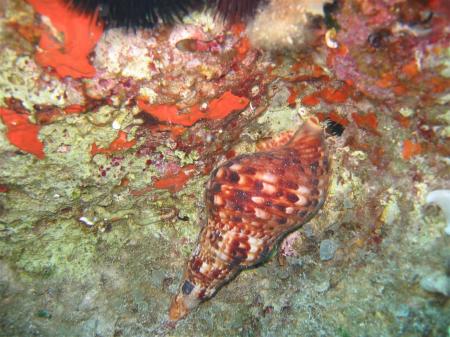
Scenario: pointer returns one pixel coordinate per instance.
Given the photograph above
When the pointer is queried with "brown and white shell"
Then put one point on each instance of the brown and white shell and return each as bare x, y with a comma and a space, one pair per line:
253, 201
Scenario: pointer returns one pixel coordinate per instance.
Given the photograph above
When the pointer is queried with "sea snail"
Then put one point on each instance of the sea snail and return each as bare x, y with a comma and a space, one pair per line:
252, 202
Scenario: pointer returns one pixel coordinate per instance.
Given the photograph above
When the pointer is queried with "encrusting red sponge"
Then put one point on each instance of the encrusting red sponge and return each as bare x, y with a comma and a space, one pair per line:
217, 108
22, 133
77, 34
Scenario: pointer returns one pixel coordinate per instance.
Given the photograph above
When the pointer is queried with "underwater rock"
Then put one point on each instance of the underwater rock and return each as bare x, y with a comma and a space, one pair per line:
388, 140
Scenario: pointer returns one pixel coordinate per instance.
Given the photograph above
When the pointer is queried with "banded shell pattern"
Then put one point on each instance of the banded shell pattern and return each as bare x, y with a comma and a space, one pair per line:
253, 201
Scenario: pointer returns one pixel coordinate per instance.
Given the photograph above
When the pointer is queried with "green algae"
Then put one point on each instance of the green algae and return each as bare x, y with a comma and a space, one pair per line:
60, 251
186, 159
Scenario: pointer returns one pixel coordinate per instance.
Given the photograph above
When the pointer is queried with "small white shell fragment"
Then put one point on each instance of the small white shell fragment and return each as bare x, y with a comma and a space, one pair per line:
87, 221
116, 125
119, 122
328, 249
406, 112
442, 199
330, 39
255, 91
436, 282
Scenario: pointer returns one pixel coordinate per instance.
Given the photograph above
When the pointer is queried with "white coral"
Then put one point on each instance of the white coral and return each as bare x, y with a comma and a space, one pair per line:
442, 199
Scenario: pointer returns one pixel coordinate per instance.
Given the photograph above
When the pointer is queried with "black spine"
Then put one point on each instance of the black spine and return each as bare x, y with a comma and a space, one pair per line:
136, 13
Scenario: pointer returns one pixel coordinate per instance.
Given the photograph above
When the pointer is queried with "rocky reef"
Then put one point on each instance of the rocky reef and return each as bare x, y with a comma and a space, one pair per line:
107, 138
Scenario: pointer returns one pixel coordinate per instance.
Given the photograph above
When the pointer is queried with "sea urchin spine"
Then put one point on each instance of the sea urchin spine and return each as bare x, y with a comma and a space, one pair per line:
148, 13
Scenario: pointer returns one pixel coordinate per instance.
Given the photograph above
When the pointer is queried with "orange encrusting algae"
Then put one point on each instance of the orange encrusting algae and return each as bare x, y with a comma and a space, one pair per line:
217, 108
328, 95
335, 117
243, 45
175, 130
174, 182
331, 95
368, 121
387, 80
405, 122
333, 54
119, 144
252, 202
22, 133
411, 149
310, 100
68, 53
411, 69
293, 93
74, 109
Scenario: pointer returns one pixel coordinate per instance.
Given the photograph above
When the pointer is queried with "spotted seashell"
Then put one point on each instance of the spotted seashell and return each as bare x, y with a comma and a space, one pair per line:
253, 201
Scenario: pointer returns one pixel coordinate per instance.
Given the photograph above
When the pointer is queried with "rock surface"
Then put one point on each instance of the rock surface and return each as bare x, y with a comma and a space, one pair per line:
95, 230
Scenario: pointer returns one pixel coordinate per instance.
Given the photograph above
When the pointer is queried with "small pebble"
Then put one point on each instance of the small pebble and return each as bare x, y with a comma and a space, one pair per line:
283, 274
436, 282
44, 314
308, 230
327, 249
295, 261
402, 311
330, 38
323, 286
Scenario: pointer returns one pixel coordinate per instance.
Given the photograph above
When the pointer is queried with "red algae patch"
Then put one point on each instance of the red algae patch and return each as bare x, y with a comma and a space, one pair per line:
67, 53
22, 133
119, 144
217, 109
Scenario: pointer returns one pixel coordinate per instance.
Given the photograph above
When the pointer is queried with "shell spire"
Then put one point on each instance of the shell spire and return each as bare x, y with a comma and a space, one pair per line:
252, 202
